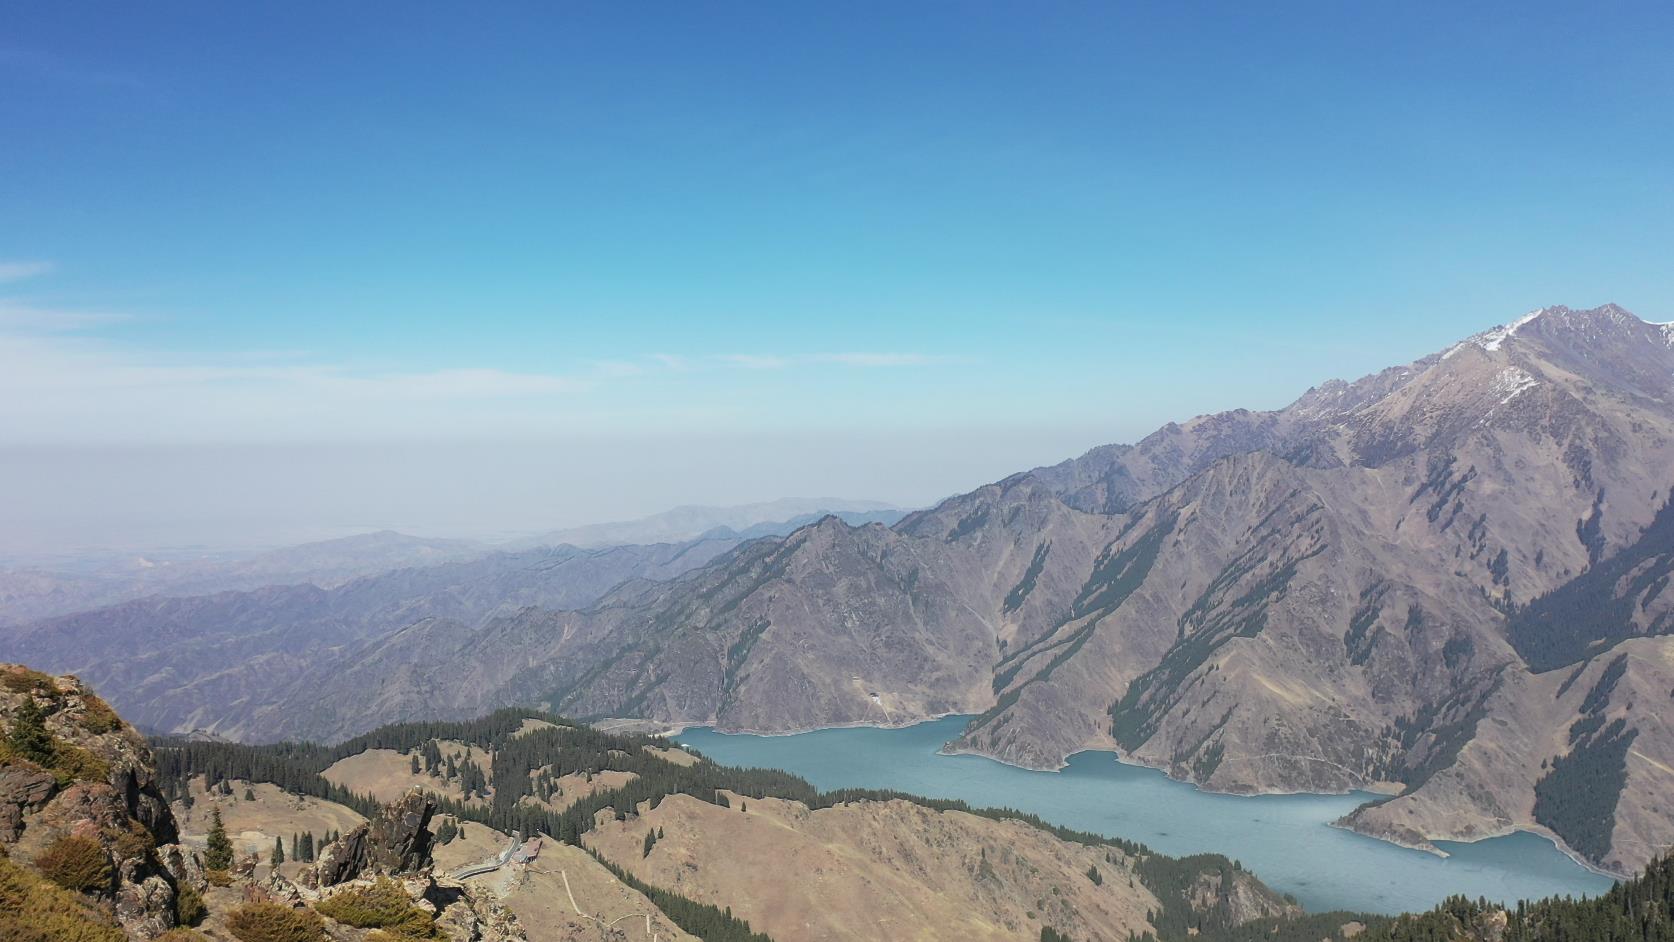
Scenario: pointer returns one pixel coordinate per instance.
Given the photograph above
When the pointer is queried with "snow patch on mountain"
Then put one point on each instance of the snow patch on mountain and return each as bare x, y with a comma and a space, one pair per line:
1511, 383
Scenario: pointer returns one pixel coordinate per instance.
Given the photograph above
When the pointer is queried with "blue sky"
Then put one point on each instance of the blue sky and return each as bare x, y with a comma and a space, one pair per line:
988, 234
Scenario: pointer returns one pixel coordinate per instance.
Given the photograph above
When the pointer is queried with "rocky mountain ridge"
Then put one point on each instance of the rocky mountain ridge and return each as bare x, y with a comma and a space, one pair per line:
1366, 588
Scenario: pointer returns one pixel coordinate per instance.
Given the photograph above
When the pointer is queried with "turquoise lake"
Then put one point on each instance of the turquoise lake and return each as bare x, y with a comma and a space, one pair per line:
1286, 840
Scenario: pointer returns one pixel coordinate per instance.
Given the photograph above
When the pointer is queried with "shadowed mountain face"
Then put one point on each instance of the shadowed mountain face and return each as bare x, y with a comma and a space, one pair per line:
1376, 585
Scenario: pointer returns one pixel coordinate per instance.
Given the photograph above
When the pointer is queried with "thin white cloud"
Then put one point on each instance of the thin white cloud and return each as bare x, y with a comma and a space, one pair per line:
18, 269
878, 359
58, 386
18, 315
617, 368
753, 361
756, 361
61, 380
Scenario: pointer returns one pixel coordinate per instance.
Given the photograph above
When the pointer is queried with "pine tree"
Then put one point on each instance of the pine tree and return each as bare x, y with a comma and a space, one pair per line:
308, 846
219, 854
29, 737
278, 856
249, 794
296, 846
415, 763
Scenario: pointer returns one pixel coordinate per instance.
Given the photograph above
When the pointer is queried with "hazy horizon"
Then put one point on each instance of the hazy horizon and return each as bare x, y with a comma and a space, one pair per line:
275, 275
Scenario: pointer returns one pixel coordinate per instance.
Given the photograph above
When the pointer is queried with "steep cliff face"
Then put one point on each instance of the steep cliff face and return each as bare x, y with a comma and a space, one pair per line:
1336, 614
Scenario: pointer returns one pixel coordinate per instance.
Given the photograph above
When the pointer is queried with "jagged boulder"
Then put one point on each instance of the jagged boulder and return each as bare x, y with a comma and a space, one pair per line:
144, 901
23, 789
466, 917
184, 865
400, 838
398, 841
341, 861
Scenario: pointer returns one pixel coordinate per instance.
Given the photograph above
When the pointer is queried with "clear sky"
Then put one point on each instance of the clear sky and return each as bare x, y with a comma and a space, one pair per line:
267, 269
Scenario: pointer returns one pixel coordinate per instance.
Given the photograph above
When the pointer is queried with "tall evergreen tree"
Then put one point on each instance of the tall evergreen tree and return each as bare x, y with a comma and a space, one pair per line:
278, 856
219, 854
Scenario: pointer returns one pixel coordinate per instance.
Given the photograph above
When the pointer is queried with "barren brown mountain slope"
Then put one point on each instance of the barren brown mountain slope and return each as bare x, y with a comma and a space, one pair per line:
884, 870
1336, 617
1365, 587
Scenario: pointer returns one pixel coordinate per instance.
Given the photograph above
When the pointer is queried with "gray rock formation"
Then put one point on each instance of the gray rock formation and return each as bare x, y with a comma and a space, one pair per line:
397, 842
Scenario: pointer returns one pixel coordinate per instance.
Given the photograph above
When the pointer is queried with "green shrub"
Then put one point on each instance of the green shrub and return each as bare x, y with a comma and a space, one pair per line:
271, 922
218, 877
383, 905
97, 716
29, 739
189, 908
71, 763
28, 736
131, 840
76, 863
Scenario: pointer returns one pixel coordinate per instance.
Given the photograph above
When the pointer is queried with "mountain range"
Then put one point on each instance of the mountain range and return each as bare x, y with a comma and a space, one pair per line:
1443, 582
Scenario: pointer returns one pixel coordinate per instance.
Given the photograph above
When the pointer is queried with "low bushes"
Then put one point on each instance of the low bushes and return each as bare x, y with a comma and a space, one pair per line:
33, 910
189, 908
383, 905
76, 863
271, 922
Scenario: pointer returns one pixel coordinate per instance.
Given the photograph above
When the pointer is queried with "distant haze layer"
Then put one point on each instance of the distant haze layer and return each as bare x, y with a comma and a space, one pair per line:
63, 498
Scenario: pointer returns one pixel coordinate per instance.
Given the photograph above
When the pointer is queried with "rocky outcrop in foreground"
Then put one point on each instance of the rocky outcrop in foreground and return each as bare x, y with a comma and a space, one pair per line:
79, 802
88, 847
398, 842
387, 861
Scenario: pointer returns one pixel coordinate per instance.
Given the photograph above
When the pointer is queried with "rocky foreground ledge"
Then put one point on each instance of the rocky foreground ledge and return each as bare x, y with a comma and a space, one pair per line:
90, 850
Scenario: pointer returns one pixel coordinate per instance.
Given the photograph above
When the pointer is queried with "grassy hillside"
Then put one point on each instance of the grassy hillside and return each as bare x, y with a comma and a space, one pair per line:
506, 777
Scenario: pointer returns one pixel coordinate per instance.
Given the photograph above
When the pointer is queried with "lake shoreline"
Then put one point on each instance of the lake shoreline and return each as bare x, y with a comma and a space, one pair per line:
1429, 847
1272, 833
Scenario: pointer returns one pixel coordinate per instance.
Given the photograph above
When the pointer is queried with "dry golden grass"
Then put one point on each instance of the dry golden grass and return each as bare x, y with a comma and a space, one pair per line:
253, 825
540, 898
386, 774
877, 870
673, 754
271, 922
577, 786
33, 910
